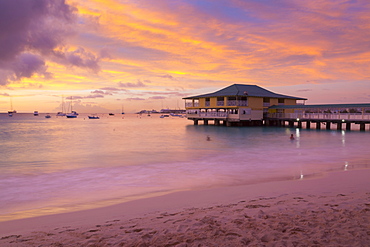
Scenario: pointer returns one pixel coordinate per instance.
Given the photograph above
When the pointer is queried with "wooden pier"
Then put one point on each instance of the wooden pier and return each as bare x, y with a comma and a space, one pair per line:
318, 123
339, 121
342, 116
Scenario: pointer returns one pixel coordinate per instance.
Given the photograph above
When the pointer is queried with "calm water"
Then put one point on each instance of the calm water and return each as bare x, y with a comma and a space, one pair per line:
59, 165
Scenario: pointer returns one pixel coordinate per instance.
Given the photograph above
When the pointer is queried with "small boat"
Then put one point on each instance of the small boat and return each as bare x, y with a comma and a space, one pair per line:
60, 114
11, 112
111, 114
71, 115
94, 117
47, 116
35, 113
165, 115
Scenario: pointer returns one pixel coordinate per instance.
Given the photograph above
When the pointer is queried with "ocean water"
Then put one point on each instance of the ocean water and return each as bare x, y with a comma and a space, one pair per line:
60, 165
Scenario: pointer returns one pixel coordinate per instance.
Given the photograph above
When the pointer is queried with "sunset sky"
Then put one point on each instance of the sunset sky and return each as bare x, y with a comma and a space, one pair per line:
145, 54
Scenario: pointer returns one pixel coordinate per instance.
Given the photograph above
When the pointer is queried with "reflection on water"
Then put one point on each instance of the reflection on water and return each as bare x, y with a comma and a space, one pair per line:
59, 164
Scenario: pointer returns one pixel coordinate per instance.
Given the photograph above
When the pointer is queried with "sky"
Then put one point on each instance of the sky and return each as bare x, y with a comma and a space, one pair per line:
109, 55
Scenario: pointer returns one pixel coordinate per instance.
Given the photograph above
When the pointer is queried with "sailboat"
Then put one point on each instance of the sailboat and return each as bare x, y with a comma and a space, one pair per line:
122, 112
73, 114
10, 113
61, 113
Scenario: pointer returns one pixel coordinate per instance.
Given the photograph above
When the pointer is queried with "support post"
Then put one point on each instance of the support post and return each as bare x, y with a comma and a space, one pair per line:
339, 126
348, 126
362, 127
300, 124
205, 122
308, 124
195, 122
318, 125
328, 125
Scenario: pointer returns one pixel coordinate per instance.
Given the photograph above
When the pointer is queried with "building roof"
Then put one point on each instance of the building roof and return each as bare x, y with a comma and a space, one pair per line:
328, 106
245, 90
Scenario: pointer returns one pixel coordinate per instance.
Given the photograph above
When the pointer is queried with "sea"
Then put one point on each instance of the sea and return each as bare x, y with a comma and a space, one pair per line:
56, 165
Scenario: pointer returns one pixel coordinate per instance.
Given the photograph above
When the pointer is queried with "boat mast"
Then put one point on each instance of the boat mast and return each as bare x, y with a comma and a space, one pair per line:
62, 103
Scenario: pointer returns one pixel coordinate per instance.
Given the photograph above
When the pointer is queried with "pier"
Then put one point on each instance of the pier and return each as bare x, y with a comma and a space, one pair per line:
330, 116
327, 121
339, 116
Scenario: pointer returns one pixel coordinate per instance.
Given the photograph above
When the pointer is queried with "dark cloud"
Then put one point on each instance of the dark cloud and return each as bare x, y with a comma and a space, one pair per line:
304, 90
27, 64
105, 54
157, 97
31, 24
128, 84
74, 97
24, 65
85, 97
80, 58
101, 92
98, 91
167, 76
32, 31
94, 96
111, 89
168, 93
135, 99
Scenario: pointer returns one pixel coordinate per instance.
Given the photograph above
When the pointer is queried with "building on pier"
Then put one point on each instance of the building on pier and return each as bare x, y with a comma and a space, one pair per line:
238, 104
251, 105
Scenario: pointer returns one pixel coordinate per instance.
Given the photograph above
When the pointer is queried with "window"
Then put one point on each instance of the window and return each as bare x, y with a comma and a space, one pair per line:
220, 101
208, 102
281, 101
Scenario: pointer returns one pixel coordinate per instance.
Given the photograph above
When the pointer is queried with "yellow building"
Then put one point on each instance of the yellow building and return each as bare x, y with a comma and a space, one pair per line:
237, 104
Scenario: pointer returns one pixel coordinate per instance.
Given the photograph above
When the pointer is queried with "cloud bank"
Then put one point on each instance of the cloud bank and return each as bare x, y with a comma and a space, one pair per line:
34, 31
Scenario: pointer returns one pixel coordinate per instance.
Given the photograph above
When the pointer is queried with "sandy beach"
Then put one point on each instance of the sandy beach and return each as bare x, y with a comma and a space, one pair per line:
331, 210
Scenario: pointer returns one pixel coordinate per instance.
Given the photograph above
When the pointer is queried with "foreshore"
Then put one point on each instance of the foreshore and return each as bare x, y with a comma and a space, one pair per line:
331, 210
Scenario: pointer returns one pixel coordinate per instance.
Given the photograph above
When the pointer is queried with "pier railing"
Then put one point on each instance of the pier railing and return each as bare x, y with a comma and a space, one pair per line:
321, 116
197, 114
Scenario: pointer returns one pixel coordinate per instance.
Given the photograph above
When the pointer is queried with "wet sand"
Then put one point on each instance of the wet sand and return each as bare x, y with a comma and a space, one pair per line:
332, 210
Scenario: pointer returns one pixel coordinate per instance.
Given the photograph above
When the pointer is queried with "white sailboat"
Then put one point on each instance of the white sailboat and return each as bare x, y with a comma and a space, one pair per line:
61, 113
73, 114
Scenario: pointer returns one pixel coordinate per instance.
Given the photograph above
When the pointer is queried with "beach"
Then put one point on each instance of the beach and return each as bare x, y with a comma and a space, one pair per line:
330, 210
